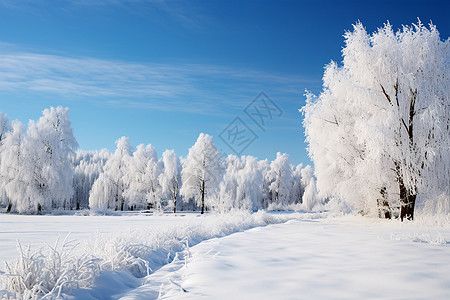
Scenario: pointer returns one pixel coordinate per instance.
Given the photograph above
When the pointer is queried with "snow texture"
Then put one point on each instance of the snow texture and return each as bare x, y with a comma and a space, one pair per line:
343, 258
226, 256
136, 251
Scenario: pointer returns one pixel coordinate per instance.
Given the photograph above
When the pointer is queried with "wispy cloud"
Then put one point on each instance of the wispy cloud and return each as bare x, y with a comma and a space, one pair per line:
176, 86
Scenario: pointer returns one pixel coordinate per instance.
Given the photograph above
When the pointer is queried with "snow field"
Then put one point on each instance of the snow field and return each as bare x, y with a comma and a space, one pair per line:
344, 258
105, 248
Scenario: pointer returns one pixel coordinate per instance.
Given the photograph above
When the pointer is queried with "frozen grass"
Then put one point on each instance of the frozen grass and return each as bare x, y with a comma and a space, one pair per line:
51, 271
47, 272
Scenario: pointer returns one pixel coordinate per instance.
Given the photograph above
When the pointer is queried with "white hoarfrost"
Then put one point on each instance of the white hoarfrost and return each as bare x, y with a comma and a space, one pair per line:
108, 190
379, 133
242, 185
88, 165
36, 166
142, 183
170, 178
202, 172
280, 178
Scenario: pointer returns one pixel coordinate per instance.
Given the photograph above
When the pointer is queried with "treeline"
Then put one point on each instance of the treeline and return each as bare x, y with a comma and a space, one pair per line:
41, 170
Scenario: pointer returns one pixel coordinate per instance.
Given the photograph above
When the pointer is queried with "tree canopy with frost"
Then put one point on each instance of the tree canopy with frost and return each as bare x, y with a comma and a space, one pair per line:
280, 178
143, 188
379, 132
5, 127
108, 190
309, 198
12, 169
202, 171
242, 184
170, 178
37, 165
88, 165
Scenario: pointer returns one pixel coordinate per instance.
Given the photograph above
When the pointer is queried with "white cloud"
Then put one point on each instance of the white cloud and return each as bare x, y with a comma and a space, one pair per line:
192, 87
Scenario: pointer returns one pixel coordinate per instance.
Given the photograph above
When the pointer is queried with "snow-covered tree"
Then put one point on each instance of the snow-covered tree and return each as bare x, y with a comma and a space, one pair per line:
39, 168
280, 178
228, 185
264, 169
170, 179
309, 198
12, 169
242, 184
108, 190
297, 187
379, 132
154, 195
202, 171
88, 165
143, 188
5, 127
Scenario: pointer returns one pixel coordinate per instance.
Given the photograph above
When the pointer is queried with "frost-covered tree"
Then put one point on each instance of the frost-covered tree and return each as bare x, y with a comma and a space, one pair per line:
280, 178
170, 178
298, 188
88, 165
108, 190
154, 196
228, 186
143, 188
242, 184
309, 198
12, 169
202, 171
264, 169
5, 127
379, 132
48, 145
39, 168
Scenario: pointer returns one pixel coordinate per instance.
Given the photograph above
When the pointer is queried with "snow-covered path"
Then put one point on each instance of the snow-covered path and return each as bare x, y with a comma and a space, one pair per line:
324, 259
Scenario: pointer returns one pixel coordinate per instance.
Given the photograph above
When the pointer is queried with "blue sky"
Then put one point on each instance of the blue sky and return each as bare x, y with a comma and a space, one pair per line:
161, 72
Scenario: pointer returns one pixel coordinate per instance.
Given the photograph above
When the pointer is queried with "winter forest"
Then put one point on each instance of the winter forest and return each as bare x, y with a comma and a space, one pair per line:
42, 170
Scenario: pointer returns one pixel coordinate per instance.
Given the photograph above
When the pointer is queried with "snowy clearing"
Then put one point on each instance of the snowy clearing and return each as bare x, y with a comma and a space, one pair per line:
344, 258
191, 256
105, 249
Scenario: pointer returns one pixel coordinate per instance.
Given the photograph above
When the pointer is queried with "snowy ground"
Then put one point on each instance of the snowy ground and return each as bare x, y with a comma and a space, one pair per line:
346, 258
38, 230
111, 252
304, 258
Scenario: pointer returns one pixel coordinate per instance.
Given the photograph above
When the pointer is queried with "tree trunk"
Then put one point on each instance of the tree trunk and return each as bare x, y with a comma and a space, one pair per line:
203, 197
384, 210
407, 209
407, 200
175, 205
9, 207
